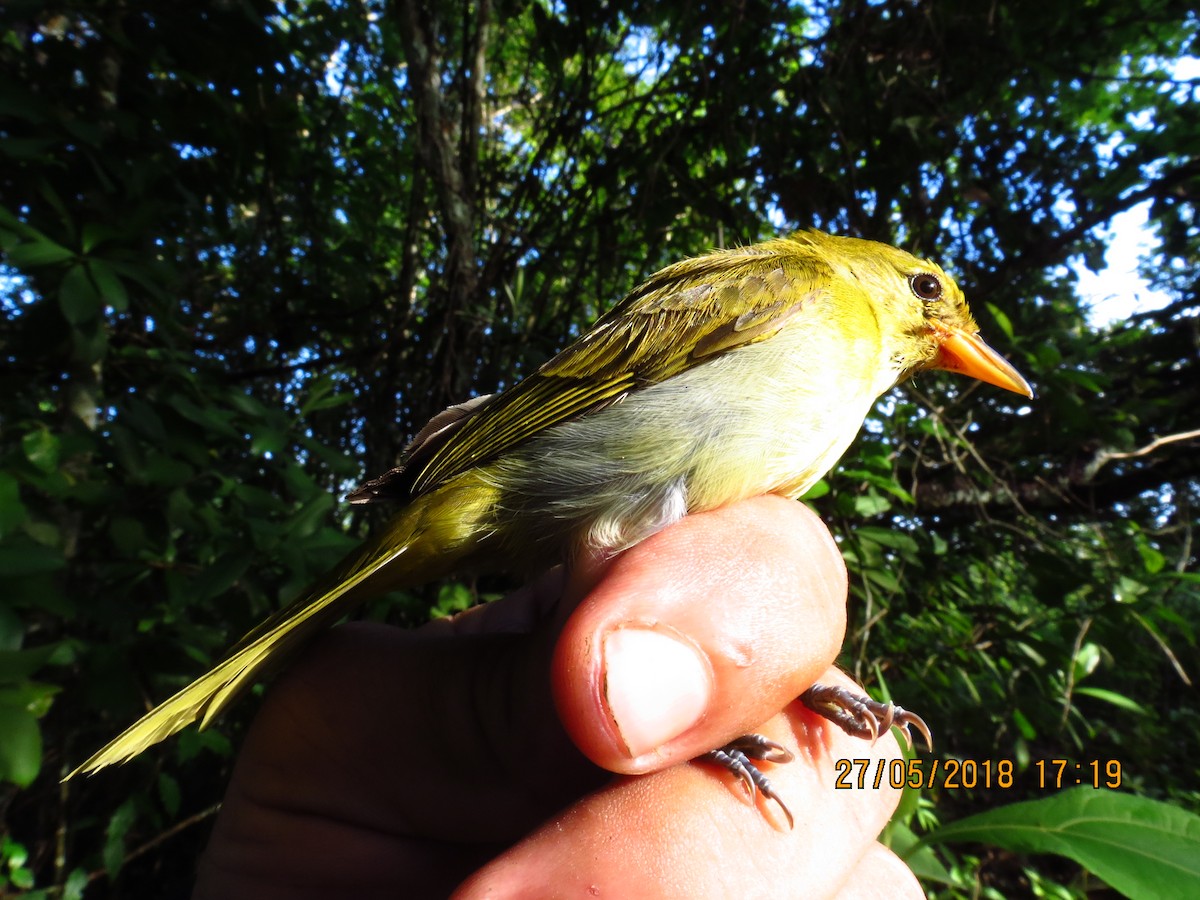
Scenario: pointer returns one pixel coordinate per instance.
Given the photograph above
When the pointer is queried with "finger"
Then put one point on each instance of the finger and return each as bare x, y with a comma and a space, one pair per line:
881, 875
689, 832
700, 632
389, 760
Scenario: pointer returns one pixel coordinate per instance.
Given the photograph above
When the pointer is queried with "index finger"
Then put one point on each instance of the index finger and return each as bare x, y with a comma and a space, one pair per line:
689, 831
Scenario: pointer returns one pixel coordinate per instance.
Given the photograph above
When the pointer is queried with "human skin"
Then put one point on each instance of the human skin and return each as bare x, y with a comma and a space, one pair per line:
475, 757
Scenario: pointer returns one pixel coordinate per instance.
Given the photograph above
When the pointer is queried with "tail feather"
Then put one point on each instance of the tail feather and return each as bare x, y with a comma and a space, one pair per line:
432, 533
212, 692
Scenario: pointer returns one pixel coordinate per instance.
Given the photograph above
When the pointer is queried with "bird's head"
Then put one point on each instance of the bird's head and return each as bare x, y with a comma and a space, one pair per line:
922, 312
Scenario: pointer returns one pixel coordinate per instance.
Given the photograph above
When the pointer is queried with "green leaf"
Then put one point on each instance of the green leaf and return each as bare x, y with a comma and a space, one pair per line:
21, 749
871, 505
169, 793
128, 535
34, 697
40, 253
322, 395
78, 298
94, 234
886, 537
114, 837
220, 575
882, 480
12, 629
246, 404
14, 860
1048, 357
1127, 589
144, 276
1152, 559
77, 883
165, 471
267, 441
191, 742
452, 598
12, 510
1083, 379
1002, 321
13, 854
1140, 847
27, 148
20, 555
89, 341
1024, 726
1118, 700
883, 578
112, 290
923, 862
820, 489
1086, 661
41, 449
209, 417
17, 665
310, 516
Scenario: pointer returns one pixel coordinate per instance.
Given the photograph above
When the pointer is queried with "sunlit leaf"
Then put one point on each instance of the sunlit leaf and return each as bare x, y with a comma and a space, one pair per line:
1140, 847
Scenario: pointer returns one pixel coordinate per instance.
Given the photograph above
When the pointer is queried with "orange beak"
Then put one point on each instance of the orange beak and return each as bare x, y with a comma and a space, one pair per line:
959, 351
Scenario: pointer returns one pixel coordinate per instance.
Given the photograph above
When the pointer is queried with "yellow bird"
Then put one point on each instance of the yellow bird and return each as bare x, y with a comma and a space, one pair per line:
739, 373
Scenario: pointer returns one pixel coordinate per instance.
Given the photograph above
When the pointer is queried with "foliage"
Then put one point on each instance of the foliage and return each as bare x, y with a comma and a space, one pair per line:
249, 247
1140, 847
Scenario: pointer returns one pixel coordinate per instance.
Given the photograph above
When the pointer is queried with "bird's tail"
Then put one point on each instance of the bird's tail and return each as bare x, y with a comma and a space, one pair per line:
428, 538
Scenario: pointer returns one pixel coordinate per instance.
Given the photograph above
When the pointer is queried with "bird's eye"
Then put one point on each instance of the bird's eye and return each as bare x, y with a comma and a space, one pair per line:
925, 285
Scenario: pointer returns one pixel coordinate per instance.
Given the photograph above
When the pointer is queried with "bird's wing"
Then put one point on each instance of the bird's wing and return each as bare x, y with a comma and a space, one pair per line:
683, 316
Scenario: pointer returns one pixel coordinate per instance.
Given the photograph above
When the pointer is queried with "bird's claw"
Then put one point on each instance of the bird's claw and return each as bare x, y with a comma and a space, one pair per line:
861, 716
740, 756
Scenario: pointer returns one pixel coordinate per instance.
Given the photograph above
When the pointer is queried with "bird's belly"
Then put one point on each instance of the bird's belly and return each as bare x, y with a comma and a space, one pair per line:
738, 427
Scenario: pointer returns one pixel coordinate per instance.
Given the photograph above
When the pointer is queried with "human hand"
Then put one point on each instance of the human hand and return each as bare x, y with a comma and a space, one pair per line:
409, 763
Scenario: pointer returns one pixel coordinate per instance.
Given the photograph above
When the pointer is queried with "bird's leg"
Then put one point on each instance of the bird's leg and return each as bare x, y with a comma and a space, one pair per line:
856, 714
736, 757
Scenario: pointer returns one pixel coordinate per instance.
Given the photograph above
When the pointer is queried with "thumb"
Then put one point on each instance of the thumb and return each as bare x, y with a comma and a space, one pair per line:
699, 633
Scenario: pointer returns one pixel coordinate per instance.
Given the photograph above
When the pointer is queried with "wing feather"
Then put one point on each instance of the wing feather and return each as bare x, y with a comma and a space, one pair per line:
685, 315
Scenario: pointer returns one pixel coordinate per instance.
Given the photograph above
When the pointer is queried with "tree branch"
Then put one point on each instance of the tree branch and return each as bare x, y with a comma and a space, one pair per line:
437, 148
1103, 457
1073, 489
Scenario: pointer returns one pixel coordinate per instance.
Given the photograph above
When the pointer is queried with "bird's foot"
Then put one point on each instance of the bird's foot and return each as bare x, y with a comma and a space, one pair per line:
856, 714
860, 716
740, 756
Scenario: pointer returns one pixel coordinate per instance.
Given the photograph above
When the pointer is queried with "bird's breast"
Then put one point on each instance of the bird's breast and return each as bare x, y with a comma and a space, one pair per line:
770, 417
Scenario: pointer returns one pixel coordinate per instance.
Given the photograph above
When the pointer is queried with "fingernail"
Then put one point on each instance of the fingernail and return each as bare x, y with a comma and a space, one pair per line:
656, 686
